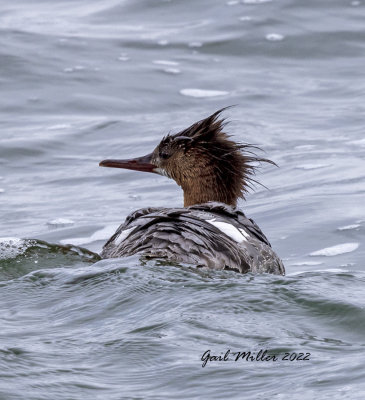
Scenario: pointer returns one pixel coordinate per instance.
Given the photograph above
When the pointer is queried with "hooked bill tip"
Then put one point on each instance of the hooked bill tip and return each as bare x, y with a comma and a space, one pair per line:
138, 164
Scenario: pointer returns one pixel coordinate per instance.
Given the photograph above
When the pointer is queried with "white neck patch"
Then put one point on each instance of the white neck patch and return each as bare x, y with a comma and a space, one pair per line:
161, 171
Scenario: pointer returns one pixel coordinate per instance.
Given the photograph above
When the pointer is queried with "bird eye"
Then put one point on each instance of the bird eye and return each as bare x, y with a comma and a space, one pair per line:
164, 155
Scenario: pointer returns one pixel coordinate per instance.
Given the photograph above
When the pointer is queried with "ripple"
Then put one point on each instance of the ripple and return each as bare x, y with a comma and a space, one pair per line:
94, 329
57, 127
312, 263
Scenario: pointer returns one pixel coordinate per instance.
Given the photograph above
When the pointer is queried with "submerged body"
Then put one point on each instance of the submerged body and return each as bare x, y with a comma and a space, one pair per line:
209, 231
212, 235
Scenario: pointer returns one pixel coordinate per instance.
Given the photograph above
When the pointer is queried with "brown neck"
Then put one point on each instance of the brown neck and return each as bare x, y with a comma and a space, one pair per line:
202, 192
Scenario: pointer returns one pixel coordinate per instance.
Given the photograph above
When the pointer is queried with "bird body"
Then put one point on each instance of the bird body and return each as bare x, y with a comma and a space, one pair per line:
209, 231
212, 235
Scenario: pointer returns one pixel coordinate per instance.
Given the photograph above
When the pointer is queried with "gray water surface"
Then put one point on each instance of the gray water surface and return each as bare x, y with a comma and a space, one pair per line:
82, 81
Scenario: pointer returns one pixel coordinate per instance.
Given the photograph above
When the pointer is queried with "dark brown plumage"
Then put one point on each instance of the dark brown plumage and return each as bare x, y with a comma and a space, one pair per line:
206, 163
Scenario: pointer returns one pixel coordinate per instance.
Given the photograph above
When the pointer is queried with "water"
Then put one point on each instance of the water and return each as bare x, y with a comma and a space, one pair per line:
84, 81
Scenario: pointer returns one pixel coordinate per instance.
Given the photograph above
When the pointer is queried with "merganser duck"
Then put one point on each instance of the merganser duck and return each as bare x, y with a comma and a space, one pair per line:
209, 231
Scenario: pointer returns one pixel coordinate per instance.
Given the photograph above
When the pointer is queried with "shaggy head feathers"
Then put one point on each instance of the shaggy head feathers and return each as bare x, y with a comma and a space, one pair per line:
206, 163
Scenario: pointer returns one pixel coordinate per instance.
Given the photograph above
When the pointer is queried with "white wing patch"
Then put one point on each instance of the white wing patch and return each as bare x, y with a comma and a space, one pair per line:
123, 235
244, 233
230, 230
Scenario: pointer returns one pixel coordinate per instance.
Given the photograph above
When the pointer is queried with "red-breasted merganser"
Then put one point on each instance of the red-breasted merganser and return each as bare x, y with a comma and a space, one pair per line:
209, 231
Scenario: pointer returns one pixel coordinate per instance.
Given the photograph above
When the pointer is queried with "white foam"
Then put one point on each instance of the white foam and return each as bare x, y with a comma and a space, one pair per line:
163, 42
199, 93
165, 62
2, 190
347, 265
305, 147
75, 68
295, 273
255, 1
232, 2
195, 44
349, 227
101, 234
11, 247
173, 71
135, 197
245, 18
322, 271
274, 37
336, 250
360, 142
229, 230
335, 270
58, 127
61, 222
